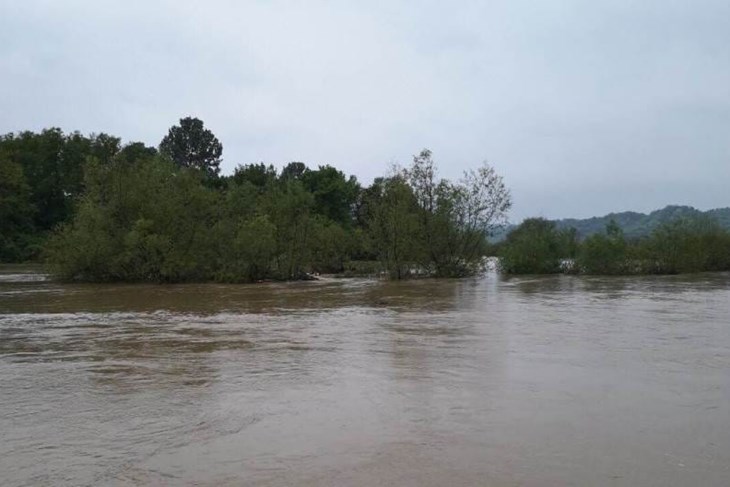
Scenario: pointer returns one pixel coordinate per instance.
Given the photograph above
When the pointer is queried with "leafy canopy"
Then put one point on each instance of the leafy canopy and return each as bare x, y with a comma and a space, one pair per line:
191, 145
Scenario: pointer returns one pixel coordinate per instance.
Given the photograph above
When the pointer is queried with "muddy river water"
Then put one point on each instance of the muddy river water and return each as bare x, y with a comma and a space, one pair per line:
535, 381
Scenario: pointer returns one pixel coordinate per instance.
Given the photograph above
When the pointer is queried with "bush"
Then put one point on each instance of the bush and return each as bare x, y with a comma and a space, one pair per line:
536, 247
604, 253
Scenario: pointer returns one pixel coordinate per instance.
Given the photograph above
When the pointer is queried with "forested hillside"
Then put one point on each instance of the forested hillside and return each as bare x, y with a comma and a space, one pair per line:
635, 225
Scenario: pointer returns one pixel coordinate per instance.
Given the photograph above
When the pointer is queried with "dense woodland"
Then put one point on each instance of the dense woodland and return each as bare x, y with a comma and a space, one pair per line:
94, 209
682, 245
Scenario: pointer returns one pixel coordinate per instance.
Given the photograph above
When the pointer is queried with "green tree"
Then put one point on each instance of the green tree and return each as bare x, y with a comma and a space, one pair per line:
77, 149
191, 145
136, 152
605, 253
330, 245
294, 170
393, 224
16, 213
686, 245
53, 166
259, 175
40, 156
138, 222
289, 207
249, 252
334, 193
456, 218
534, 247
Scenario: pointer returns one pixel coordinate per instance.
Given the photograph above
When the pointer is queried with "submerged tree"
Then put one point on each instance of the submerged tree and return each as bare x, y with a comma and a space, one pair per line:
143, 215
16, 212
456, 218
190, 144
289, 206
685, 245
145, 221
392, 221
604, 253
536, 247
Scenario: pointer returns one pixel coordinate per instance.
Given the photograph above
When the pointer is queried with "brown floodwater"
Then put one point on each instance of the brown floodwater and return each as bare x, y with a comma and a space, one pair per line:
534, 381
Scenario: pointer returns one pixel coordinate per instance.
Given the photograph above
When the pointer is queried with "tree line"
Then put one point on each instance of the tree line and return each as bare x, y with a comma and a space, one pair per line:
682, 245
94, 209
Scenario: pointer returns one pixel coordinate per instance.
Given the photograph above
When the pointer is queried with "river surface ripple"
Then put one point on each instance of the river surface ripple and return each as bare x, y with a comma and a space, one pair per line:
535, 381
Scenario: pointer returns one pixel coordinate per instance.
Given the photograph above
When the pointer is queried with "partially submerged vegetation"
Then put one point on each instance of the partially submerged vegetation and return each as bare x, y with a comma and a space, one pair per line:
684, 245
101, 212
95, 210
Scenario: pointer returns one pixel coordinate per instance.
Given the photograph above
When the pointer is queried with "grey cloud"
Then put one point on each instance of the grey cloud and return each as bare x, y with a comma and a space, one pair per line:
585, 107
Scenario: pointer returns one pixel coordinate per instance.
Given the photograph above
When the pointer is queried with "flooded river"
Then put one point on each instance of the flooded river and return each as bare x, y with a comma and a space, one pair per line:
549, 381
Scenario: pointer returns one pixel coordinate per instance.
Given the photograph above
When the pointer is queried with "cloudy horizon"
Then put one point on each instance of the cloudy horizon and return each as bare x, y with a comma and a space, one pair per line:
585, 109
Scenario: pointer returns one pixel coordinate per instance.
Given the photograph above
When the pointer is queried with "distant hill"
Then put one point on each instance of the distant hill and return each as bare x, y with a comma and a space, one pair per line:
639, 224
635, 224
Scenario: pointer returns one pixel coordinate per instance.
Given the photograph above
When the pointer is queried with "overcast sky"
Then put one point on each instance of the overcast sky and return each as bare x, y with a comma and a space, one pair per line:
584, 107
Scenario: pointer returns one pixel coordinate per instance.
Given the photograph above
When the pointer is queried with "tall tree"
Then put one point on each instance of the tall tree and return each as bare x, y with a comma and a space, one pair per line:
294, 170
334, 193
457, 217
190, 144
392, 219
136, 151
53, 167
16, 212
46, 171
288, 206
260, 175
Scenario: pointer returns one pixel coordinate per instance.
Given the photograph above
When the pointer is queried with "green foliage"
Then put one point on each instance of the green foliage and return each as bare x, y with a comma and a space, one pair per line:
605, 253
536, 247
191, 145
683, 245
151, 220
52, 164
334, 194
331, 245
129, 212
249, 252
294, 170
393, 225
418, 224
136, 152
258, 175
52, 178
456, 218
145, 221
289, 206
466, 213
16, 213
